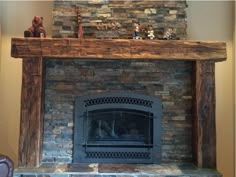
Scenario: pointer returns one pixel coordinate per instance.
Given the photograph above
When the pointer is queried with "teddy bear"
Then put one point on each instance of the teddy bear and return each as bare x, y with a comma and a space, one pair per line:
37, 29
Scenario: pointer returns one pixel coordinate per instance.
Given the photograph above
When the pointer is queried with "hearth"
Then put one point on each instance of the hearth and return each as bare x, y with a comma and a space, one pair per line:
118, 128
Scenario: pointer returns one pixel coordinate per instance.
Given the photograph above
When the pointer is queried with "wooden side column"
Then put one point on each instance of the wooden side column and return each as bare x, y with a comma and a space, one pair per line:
204, 125
31, 125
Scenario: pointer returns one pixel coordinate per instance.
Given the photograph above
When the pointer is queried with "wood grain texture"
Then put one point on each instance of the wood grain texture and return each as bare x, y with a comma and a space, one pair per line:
118, 49
204, 125
31, 126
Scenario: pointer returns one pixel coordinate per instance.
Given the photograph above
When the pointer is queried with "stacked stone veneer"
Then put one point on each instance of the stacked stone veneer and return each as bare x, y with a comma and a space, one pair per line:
122, 13
169, 80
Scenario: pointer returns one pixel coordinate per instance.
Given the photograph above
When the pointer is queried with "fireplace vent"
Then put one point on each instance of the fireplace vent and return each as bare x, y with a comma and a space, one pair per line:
118, 155
118, 100
117, 128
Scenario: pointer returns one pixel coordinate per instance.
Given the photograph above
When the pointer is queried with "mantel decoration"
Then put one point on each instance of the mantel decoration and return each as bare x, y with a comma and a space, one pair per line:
150, 32
37, 28
137, 29
80, 26
169, 34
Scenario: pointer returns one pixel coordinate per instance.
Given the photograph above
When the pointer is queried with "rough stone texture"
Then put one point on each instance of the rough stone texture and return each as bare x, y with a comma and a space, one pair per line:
116, 170
117, 17
66, 79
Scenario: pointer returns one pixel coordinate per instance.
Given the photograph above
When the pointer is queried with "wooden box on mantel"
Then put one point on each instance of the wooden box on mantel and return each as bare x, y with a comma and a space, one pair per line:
203, 55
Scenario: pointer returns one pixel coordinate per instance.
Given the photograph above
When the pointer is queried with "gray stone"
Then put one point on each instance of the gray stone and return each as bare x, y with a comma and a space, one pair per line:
157, 13
67, 79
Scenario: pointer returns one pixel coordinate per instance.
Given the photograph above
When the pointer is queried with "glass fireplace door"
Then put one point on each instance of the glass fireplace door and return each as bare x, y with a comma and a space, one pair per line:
117, 128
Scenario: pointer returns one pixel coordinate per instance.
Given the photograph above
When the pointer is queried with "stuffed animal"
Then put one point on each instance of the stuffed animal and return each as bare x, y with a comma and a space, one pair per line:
37, 29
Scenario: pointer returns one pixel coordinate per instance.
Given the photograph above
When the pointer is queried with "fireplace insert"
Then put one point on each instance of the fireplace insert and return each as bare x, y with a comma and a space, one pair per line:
117, 128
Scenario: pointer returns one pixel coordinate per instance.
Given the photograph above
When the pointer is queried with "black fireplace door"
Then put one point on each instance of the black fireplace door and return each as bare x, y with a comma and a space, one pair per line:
117, 128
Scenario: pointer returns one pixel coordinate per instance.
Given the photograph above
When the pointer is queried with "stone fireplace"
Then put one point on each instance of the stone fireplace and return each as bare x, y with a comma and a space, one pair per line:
167, 85
166, 88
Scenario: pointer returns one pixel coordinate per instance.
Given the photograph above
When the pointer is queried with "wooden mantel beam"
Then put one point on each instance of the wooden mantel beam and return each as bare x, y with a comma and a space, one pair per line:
118, 49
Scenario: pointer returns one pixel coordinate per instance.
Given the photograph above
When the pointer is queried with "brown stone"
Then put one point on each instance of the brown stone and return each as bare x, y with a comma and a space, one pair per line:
124, 12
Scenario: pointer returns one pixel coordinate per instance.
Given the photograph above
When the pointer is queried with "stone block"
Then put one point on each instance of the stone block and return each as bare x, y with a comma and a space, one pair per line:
150, 11
96, 1
46, 175
170, 18
173, 12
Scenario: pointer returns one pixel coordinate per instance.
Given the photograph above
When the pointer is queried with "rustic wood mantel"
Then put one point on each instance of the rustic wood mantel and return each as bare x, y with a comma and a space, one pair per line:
118, 49
203, 55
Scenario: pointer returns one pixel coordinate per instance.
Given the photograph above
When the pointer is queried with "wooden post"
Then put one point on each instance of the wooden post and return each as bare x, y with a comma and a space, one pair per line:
204, 128
31, 126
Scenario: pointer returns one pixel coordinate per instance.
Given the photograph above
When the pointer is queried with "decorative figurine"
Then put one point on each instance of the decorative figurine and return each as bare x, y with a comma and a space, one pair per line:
150, 32
80, 27
169, 34
136, 30
37, 29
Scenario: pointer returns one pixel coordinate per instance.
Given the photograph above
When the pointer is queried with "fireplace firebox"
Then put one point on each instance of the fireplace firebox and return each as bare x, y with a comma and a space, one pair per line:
117, 128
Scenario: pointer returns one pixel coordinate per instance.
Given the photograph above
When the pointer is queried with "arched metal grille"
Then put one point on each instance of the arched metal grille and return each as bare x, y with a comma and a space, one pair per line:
118, 100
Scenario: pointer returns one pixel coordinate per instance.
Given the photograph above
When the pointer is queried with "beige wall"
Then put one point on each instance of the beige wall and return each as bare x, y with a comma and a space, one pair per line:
16, 17
206, 21
218, 25
234, 46
0, 30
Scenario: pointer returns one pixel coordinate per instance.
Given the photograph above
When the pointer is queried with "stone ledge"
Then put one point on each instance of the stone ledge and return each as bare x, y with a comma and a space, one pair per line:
115, 170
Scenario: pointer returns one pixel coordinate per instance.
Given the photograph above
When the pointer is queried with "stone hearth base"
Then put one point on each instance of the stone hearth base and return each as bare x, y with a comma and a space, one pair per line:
115, 170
